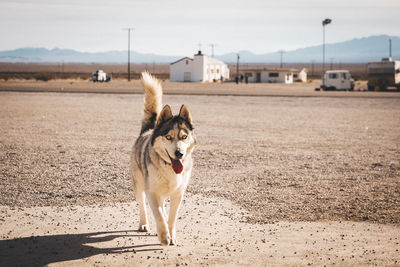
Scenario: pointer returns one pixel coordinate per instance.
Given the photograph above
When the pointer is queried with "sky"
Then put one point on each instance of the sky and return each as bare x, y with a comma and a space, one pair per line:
177, 27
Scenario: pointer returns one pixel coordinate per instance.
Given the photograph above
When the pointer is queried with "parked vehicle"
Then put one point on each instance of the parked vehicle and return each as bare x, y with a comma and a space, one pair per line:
383, 74
100, 76
337, 80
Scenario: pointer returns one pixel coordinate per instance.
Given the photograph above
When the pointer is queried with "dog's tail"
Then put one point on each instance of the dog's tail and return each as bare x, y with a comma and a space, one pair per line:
152, 101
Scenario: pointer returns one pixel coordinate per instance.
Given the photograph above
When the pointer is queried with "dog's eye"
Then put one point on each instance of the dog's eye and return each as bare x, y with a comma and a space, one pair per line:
168, 137
184, 136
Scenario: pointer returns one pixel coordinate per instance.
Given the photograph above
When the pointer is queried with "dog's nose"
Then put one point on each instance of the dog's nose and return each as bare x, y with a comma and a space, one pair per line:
178, 154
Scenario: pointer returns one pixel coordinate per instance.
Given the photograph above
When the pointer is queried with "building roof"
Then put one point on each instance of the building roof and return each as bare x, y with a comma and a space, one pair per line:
333, 71
181, 60
275, 70
270, 70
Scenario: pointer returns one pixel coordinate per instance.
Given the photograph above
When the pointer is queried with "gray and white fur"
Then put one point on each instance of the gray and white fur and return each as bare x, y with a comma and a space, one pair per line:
161, 160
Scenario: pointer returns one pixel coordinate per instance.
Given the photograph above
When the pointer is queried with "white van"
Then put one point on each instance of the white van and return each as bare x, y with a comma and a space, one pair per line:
100, 76
337, 80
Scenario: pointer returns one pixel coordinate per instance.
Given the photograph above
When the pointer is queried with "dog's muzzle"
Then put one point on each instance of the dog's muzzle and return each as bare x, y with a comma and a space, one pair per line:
178, 154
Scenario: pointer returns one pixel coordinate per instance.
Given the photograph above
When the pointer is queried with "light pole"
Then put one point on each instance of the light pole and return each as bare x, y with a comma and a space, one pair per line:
324, 23
129, 52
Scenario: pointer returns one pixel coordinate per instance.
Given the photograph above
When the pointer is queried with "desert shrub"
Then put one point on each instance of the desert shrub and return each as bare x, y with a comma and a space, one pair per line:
43, 77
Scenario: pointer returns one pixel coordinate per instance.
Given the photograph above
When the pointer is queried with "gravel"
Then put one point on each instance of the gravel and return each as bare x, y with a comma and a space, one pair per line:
280, 158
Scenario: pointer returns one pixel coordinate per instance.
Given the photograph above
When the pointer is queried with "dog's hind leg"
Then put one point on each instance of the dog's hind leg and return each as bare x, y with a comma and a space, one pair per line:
176, 201
156, 204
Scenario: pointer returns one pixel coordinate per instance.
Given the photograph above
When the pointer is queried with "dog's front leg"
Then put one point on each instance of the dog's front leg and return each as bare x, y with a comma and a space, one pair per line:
176, 200
156, 204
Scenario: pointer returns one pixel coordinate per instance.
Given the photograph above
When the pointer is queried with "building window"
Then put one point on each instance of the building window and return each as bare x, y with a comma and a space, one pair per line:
333, 76
187, 62
273, 74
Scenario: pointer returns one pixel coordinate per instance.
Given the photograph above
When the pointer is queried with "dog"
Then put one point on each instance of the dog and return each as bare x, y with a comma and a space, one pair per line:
161, 160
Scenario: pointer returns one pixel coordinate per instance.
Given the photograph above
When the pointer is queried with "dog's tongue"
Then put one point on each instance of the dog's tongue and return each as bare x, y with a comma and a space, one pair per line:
177, 166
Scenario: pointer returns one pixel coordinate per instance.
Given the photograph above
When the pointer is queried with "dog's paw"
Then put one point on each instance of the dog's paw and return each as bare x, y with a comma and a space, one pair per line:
165, 239
143, 228
164, 242
173, 242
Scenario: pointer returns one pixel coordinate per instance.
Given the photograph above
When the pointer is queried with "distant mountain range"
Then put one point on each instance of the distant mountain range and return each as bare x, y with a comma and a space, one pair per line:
360, 50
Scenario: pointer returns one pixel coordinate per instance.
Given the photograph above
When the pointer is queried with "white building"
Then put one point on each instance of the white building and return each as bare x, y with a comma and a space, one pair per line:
275, 75
300, 75
269, 76
200, 68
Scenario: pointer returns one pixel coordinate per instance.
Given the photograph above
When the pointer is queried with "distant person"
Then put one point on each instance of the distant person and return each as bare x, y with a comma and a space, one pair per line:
241, 78
237, 79
222, 79
246, 79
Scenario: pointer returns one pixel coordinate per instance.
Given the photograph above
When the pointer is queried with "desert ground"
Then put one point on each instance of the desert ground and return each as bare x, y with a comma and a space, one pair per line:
284, 176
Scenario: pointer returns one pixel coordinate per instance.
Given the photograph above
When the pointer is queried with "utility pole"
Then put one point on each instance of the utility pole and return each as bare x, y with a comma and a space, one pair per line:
324, 23
212, 49
331, 63
312, 68
390, 48
237, 68
129, 52
62, 68
281, 52
199, 44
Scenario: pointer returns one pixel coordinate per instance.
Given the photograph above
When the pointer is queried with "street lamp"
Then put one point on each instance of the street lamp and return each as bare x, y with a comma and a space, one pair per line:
324, 23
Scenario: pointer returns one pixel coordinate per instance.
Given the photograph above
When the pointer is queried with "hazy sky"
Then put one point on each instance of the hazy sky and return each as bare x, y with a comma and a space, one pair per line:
175, 27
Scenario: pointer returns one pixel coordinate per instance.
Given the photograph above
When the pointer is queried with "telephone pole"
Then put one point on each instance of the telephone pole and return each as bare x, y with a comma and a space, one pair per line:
212, 49
237, 69
129, 52
281, 52
199, 44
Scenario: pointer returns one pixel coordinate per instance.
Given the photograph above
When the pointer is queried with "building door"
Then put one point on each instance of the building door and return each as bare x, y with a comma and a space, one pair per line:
258, 77
187, 77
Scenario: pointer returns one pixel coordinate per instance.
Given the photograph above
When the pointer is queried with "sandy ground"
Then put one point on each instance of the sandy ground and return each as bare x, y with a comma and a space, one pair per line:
277, 180
210, 232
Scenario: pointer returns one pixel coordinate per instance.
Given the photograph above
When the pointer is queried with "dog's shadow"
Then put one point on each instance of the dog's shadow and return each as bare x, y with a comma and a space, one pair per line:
43, 250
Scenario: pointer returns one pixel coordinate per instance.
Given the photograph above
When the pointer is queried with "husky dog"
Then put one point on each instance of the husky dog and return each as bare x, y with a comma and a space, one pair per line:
161, 162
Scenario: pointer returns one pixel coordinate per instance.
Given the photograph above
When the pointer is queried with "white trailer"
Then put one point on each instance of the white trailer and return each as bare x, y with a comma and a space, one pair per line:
337, 80
383, 74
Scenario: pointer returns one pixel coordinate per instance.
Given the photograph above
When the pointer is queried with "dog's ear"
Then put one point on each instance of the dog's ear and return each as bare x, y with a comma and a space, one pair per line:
185, 114
165, 114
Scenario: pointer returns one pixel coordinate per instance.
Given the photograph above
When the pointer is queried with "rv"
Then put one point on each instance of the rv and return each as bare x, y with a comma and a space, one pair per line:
337, 80
383, 74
